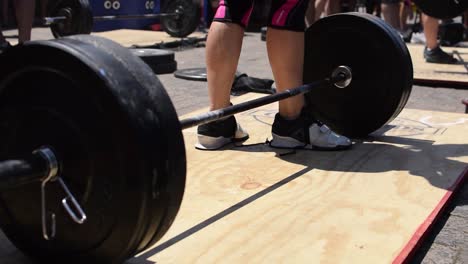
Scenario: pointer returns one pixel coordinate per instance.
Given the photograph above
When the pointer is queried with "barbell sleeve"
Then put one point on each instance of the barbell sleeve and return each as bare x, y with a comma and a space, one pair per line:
139, 16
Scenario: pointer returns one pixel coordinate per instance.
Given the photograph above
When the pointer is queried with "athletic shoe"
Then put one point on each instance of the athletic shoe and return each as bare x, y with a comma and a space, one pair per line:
437, 55
306, 133
407, 35
418, 38
217, 134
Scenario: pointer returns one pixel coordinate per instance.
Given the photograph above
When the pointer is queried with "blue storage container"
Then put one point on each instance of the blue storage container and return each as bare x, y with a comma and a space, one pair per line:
124, 7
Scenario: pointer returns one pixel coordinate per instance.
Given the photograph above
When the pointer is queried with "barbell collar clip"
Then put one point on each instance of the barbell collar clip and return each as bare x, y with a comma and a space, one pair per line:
48, 218
52, 163
342, 76
79, 218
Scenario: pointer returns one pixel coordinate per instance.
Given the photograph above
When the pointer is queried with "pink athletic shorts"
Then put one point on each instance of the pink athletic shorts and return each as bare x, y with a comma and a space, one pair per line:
284, 14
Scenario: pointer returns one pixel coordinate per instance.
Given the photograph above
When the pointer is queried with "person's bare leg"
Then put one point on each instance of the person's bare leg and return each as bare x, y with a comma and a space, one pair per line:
431, 28
4, 16
223, 49
433, 53
310, 13
44, 8
404, 12
377, 10
320, 6
465, 19
3, 20
286, 55
25, 16
334, 6
390, 13
352, 5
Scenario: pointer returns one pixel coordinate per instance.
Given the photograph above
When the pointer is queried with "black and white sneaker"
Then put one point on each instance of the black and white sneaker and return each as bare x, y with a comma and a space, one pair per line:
219, 133
306, 133
437, 55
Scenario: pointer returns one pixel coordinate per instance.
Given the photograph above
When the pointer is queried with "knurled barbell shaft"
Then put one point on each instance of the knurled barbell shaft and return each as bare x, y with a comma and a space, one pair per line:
141, 16
17, 172
245, 106
52, 20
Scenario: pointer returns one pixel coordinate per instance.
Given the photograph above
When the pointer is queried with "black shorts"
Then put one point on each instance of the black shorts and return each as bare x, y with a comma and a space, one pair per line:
284, 14
389, 2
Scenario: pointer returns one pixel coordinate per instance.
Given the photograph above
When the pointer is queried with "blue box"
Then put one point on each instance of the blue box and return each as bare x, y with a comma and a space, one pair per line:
124, 7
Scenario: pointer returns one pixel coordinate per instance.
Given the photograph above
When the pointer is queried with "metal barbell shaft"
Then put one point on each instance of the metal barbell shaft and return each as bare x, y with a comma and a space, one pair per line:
36, 166
40, 165
14, 173
47, 21
142, 16
242, 107
51, 20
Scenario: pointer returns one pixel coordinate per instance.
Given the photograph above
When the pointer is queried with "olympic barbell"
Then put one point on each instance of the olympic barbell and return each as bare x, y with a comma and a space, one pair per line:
179, 18
95, 158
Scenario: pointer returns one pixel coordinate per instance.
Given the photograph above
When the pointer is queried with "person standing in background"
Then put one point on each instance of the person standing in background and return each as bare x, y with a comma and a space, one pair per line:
432, 51
24, 12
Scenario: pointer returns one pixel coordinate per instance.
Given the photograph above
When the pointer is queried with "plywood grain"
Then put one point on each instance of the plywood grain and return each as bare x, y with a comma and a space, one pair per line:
253, 205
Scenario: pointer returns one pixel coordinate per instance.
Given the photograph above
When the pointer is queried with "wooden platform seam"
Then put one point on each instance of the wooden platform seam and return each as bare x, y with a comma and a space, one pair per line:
424, 229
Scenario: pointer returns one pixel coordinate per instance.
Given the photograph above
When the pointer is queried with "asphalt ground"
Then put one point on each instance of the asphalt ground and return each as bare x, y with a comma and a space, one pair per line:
447, 241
